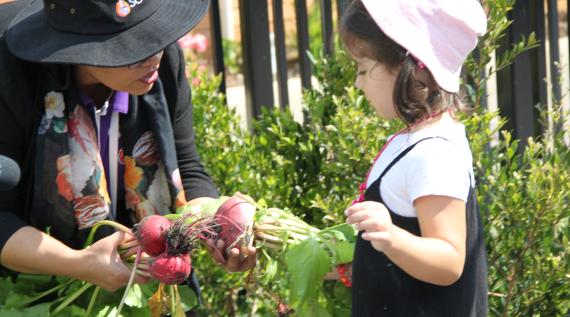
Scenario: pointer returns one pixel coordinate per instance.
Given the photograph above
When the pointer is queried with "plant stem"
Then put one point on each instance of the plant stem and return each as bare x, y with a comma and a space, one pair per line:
128, 245
271, 227
130, 252
173, 217
92, 301
267, 237
131, 279
289, 221
288, 218
71, 298
271, 245
172, 300
297, 236
44, 293
113, 224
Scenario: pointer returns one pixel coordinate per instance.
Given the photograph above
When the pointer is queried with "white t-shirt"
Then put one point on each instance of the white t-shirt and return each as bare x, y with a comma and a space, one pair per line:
434, 167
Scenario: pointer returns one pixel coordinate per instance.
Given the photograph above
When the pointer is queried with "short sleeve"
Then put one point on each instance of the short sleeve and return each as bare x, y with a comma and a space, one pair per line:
437, 167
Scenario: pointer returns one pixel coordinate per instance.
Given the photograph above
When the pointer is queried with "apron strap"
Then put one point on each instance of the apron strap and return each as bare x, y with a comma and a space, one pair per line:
404, 152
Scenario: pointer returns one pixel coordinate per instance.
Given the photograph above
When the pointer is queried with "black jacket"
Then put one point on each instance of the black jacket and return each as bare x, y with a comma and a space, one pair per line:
22, 89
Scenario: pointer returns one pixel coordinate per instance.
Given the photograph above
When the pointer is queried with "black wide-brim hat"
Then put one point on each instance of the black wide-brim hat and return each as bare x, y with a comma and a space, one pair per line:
106, 33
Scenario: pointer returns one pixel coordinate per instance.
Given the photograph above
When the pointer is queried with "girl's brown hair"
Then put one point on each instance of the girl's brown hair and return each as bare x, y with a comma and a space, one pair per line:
416, 93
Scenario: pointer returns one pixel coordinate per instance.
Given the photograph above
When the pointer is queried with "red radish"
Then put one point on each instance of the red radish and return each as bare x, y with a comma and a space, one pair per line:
235, 218
151, 234
171, 269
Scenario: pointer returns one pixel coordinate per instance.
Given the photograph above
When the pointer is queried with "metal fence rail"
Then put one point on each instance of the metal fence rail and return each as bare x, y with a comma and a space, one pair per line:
520, 87
257, 51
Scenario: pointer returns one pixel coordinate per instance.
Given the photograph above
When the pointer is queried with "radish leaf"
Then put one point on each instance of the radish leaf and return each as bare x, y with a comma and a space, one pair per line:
314, 308
41, 310
135, 297
307, 262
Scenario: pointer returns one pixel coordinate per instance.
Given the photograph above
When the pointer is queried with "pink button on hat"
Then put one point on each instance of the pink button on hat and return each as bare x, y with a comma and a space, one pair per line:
439, 33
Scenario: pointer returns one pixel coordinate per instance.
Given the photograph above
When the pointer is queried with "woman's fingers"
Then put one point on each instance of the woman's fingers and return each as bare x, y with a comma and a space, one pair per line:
234, 261
214, 248
238, 262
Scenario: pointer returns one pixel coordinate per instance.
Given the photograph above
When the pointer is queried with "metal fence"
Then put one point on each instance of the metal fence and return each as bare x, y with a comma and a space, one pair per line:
255, 38
520, 87
524, 85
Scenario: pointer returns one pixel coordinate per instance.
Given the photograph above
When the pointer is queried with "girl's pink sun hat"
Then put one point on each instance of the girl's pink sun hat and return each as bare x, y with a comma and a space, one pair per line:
439, 33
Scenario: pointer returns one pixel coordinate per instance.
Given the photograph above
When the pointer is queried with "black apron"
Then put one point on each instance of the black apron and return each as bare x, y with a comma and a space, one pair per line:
380, 288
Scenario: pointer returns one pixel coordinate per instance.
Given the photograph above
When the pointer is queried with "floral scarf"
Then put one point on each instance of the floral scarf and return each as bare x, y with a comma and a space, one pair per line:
70, 189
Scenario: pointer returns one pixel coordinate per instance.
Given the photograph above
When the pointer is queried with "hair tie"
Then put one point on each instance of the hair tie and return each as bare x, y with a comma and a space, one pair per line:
419, 63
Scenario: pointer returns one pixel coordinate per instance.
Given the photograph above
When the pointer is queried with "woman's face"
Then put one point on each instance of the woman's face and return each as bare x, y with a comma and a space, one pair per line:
136, 79
377, 82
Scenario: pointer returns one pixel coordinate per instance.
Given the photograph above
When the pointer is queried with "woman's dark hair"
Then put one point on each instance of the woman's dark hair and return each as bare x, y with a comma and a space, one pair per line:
414, 98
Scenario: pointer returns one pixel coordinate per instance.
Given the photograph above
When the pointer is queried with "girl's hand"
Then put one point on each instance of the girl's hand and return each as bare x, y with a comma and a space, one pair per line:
103, 266
374, 219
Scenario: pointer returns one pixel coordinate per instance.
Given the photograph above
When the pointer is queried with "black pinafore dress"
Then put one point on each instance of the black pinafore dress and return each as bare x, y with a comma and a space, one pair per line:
380, 288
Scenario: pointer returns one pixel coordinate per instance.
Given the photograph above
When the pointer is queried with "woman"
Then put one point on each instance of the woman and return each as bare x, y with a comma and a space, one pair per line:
96, 110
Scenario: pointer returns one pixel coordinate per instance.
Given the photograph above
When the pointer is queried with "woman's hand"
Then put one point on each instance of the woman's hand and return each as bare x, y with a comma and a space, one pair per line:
236, 261
103, 266
374, 219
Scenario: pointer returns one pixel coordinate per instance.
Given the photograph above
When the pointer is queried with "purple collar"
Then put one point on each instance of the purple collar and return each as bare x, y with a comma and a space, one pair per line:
119, 101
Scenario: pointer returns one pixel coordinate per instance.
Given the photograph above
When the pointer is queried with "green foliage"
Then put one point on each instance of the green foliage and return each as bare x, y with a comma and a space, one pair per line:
497, 26
233, 58
40, 295
309, 263
525, 200
314, 168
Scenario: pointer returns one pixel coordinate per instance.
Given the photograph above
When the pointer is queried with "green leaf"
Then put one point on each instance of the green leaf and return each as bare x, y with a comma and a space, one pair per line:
187, 297
270, 272
307, 263
344, 251
313, 308
135, 297
208, 209
135, 312
343, 232
6, 288
107, 311
14, 299
72, 311
41, 310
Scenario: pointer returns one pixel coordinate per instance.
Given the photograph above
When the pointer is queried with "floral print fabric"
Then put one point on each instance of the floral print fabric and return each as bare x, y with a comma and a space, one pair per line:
70, 176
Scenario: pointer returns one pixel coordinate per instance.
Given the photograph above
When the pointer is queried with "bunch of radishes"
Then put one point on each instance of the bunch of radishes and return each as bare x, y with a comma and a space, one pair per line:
165, 246
162, 244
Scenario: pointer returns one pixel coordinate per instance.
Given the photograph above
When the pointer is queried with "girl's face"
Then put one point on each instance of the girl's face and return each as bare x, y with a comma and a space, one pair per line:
377, 82
136, 79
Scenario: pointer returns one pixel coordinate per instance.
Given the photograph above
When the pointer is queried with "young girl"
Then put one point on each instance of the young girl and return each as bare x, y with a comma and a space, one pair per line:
420, 249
